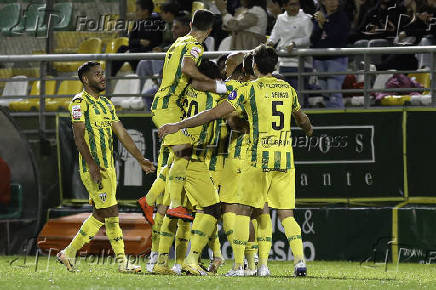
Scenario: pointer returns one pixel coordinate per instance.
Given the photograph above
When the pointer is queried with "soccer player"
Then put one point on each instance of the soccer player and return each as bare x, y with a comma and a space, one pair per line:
94, 119
269, 176
180, 67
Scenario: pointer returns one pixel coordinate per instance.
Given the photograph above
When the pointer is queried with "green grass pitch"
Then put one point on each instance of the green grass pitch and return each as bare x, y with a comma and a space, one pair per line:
15, 274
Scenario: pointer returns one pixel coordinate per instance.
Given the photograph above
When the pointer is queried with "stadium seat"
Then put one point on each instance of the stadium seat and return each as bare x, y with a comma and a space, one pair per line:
127, 86
32, 20
9, 16
62, 20
16, 88
113, 45
377, 58
89, 46
32, 104
68, 87
5, 73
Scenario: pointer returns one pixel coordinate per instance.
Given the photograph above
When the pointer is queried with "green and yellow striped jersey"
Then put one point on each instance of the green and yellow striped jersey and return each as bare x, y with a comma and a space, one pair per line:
269, 103
98, 115
174, 82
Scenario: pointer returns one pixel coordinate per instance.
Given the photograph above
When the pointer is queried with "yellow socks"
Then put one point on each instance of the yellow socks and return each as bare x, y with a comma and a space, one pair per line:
158, 186
228, 222
167, 232
182, 238
155, 234
240, 238
176, 181
202, 228
215, 245
88, 230
293, 233
115, 236
251, 247
264, 237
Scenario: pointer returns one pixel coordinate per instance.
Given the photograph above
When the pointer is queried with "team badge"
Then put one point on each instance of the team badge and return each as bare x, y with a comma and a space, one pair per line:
232, 95
76, 112
103, 196
195, 52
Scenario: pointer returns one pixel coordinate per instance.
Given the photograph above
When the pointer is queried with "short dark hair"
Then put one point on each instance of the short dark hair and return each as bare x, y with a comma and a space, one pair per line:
170, 7
146, 4
84, 68
248, 64
209, 69
202, 20
265, 58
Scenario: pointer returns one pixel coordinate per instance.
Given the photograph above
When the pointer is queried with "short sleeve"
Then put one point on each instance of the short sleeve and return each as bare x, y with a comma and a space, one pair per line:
113, 111
194, 51
295, 103
77, 109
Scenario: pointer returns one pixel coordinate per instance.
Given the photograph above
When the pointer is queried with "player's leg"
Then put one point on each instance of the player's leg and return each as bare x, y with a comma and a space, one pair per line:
181, 244
264, 240
251, 249
217, 260
155, 236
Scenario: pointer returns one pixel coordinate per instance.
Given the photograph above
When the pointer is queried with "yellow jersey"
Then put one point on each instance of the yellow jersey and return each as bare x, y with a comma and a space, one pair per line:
269, 103
98, 115
174, 82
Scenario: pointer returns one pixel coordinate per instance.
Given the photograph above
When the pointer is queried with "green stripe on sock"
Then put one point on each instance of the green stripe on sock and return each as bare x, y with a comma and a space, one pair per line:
297, 237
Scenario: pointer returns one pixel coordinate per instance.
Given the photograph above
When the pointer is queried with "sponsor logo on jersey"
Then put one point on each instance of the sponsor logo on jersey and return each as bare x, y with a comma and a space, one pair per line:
232, 95
76, 112
103, 196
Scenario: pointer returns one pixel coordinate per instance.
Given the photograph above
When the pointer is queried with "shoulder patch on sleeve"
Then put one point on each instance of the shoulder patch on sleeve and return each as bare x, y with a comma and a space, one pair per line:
195, 52
232, 96
76, 112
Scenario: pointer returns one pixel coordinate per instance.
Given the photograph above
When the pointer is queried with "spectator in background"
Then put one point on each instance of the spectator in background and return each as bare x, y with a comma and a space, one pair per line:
426, 12
146, 33
274, 9
248, 25
330, 29
292, 30
309, 6
169, 11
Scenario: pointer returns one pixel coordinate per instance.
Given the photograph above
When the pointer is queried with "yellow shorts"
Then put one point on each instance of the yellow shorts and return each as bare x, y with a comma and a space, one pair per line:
170, 115
275, 187
199, 186
105, 197
217, 174
230, 180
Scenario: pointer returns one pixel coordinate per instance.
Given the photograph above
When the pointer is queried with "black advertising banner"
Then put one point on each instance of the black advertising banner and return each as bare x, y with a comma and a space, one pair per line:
350, 155
421, 153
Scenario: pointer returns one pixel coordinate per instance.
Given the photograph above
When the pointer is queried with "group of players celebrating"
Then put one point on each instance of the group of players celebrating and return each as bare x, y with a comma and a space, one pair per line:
226, 154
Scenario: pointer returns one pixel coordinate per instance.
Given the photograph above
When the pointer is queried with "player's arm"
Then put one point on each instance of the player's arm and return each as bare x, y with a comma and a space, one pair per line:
237, 123
82, 147
303, 122
129, 144
189, 67
201, 118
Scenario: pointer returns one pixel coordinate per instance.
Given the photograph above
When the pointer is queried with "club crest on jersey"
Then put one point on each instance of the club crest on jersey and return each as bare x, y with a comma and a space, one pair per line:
195, 52
76, 112
103, 196
232, 95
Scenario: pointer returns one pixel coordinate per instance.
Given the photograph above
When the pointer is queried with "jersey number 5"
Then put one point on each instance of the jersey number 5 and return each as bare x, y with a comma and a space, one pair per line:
278, 113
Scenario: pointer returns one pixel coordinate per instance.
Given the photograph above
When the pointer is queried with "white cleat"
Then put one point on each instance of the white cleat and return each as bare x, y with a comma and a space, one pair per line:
263, 271
300, 269
177, 268
250, 272
236, 273
152, 261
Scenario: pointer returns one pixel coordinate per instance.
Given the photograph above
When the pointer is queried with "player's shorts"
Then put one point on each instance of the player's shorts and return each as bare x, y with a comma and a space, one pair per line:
199, 187
217, 173
275, 187
105, 197
170, 115
230, 180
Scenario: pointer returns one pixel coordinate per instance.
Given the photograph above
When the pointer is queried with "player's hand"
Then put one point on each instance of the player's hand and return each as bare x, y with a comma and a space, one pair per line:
147, 166
168, 129
94, 171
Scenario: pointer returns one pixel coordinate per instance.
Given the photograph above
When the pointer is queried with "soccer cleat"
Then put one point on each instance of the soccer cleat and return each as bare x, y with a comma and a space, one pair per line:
126, 267
152, 261
248, 272
214, 265
300, 269
146, 209
193, 269
160, 269
177, 268
239, 272
63, 259
180, 213
263, 271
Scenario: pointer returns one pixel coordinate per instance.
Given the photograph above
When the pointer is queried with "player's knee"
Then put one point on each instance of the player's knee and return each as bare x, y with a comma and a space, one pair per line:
285, 213
213, 210
183, 151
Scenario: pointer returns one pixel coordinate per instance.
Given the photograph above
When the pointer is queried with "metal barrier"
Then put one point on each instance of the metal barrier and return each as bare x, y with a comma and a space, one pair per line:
299, 53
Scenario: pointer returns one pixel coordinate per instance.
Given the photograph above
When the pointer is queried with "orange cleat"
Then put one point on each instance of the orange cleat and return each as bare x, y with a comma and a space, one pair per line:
146, 209
180, 213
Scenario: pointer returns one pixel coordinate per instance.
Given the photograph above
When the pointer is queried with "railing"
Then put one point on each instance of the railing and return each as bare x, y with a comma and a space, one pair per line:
299, 53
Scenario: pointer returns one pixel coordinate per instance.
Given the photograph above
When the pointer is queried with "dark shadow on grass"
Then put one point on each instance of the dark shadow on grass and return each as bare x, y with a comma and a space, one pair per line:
333, 278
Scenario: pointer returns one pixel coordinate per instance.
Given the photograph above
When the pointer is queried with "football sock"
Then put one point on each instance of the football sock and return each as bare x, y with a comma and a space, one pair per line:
240, 238
167, 232
228, 222
158, 186
202, 227
264, 237
155, 234
215, 245
115, 236
182, 238
250, 252
88, 230
176, 181
293, 233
